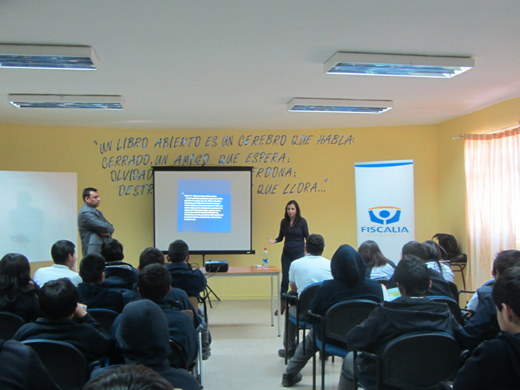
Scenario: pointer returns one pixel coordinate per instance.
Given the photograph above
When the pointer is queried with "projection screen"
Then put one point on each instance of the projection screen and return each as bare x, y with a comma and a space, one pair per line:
207, 207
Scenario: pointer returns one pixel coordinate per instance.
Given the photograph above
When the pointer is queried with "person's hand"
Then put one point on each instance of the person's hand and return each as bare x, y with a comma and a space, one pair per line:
80, 312
271, 241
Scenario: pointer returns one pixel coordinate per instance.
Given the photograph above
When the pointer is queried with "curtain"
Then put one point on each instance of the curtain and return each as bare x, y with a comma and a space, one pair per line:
492, 199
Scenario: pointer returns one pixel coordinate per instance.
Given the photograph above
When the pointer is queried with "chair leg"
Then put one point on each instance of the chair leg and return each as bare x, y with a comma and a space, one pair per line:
286, 337
313, 363
323, 365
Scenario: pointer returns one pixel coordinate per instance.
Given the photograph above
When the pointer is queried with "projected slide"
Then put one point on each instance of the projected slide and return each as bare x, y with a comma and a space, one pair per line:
208, 207
204, 206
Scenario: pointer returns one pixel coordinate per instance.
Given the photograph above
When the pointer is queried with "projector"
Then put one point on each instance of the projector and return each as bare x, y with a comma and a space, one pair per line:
216, 266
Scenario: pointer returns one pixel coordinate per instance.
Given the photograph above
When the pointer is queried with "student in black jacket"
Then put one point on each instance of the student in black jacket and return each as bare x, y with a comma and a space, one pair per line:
143, 338
153, 283
94, 292
65, 320
412, 312
495, 364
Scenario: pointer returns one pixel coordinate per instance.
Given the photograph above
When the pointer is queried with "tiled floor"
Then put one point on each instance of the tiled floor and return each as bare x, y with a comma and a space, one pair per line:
244, 350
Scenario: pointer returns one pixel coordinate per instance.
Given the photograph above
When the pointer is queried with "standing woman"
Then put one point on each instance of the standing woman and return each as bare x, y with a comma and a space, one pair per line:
295, 230
18, 293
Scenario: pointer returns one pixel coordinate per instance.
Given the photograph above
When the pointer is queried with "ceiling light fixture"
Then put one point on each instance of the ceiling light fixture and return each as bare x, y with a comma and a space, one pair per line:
47, 57
397, 65
339, 106
92, 102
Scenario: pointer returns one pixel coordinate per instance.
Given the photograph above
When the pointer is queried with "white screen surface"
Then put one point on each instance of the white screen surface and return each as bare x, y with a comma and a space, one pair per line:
37, 209
207, 207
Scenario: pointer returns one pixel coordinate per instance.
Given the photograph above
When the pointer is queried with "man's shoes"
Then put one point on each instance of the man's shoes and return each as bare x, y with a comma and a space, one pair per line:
290, 380
282, 352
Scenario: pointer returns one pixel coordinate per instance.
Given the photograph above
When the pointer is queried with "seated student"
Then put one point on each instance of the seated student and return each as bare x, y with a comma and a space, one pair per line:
349, 282
117, 273
176, 296
495, 364
65, 320
93, 292
153, 283
483, 325
192, 281
411, 312
129, 376
143, 338
378, 266
439, 285
18, 293
183, 275
434, 254
63, 254
310, 269
22, 369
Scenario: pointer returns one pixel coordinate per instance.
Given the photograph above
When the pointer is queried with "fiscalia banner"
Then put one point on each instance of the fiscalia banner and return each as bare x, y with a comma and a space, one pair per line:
385, 205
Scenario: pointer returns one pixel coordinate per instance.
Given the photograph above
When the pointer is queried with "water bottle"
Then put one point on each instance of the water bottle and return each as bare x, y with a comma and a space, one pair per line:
265, 262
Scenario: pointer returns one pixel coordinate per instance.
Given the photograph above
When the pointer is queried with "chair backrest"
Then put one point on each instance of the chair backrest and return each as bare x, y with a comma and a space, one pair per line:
342, 317
105, 317
306, 296
9, 324
178, 358
420, 360
454, 291
116, 277
66, 364
452, 305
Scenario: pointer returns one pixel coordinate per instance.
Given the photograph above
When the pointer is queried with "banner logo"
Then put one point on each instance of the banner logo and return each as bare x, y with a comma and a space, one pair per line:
384, 215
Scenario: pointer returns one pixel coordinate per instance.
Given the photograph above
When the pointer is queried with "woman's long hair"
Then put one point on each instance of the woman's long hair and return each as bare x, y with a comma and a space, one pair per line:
297, 217
15, 273
369, 250
434, 253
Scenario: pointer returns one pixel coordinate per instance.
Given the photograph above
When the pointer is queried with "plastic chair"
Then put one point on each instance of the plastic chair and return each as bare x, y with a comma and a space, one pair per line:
9, 324
120, 277
452, 305
340, 319
454, 291
66, 364
302, 303
417, 361
105, 317
177, 358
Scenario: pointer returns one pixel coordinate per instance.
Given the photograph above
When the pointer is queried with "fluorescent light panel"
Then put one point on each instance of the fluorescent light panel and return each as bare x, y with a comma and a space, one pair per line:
397, 65
92, 102
346, 106
47, 57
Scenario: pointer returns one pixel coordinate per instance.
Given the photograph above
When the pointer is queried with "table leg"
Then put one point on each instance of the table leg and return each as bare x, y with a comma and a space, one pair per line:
279, 302
272, 301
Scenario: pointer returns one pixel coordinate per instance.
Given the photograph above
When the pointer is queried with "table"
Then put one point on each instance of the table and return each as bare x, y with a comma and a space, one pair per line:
272, 271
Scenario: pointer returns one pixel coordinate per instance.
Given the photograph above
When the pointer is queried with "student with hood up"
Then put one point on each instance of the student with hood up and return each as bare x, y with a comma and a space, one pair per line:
348, 271
143, 338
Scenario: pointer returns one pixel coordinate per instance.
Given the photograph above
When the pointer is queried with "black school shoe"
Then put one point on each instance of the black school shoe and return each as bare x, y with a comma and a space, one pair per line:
290, 380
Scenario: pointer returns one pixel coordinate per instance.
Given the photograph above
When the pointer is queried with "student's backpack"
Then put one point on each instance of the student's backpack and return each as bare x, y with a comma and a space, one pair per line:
450, 248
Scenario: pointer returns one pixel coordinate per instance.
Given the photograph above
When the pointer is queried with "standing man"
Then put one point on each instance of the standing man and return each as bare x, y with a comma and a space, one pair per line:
94, 229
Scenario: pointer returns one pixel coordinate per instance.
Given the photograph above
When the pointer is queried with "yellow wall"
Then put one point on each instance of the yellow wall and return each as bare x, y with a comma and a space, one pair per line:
328, 167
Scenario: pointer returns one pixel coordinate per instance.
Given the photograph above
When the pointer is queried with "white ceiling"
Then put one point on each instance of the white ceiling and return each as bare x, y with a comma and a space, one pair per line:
234, 64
